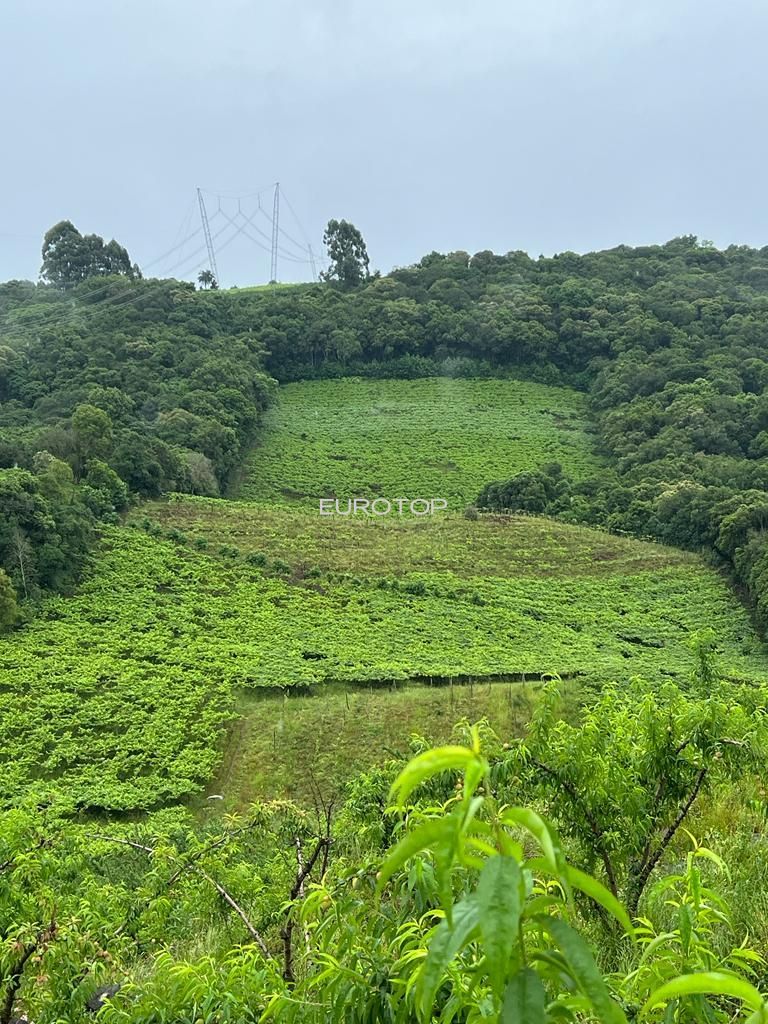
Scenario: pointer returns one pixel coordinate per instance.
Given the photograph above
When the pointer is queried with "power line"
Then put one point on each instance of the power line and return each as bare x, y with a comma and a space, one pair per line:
179, 245
249, 221
243, 230
202, 248
190, 258
184, 227
237, 195
94, 305
208, 239
304, 235
300, 225
275, 229
287, 253
54, 315
278, 237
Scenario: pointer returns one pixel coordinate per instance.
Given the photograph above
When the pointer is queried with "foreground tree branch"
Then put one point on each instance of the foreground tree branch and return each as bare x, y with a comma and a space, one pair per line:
297, 891
651, 859
16, 973
196, 869
597, 832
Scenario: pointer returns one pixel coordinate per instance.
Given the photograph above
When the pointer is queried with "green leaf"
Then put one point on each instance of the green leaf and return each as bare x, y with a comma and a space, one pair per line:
685, 926
475, 772
542, 832
447, 941
600, 894
583, 970
428, 834
423, 767
715, 983
500, 895
559, 1011
524, 1000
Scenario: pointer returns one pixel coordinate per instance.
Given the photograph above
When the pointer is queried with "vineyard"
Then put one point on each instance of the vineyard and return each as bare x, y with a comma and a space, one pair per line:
244, 642
118, 696
427, 438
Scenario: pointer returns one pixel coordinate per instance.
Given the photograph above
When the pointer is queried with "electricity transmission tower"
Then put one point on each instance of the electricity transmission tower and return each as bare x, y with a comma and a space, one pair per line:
250, 220
208, 239
275, 232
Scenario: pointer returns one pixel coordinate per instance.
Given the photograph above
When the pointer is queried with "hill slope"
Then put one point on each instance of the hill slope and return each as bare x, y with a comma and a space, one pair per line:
427, 438
205, 608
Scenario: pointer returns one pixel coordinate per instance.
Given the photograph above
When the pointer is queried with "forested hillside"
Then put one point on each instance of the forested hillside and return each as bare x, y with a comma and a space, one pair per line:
110, 392
165, 385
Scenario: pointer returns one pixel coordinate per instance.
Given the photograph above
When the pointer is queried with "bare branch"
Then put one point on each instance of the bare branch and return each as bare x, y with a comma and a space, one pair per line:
594, 826
207, 849
307, 868
300, 862
298, 890
124, 842
204, 874
235, 906
651, 860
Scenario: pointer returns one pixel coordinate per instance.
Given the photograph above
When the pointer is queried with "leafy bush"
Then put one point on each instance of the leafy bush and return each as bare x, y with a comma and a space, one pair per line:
476, 911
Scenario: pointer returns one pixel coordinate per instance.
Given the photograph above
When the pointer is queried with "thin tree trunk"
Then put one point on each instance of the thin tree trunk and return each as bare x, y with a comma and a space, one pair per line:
594, 827
204, 874
650, 860
20, 556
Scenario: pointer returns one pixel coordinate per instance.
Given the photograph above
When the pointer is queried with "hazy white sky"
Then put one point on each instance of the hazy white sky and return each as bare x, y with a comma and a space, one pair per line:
432, 124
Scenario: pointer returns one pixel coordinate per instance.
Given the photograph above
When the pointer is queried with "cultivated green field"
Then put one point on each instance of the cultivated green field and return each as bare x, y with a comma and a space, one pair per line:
422, 438
493, 546
248, 647
117, 696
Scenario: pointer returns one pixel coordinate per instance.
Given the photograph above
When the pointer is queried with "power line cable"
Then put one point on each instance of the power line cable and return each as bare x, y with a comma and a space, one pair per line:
107, 288
201, 248
308, 244
94, 306
250, 222
159, 259
303, 249
237, 195
244, 230
283, 252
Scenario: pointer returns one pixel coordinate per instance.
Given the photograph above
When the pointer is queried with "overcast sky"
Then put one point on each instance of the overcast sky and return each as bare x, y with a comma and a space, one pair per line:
541, 125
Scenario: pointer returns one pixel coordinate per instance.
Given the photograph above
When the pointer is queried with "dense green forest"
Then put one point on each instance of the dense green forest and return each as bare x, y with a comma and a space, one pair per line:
218, 800
165, 385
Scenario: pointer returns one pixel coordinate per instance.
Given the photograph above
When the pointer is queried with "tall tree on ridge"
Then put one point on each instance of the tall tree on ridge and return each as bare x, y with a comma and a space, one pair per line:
69, 257
347, 253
